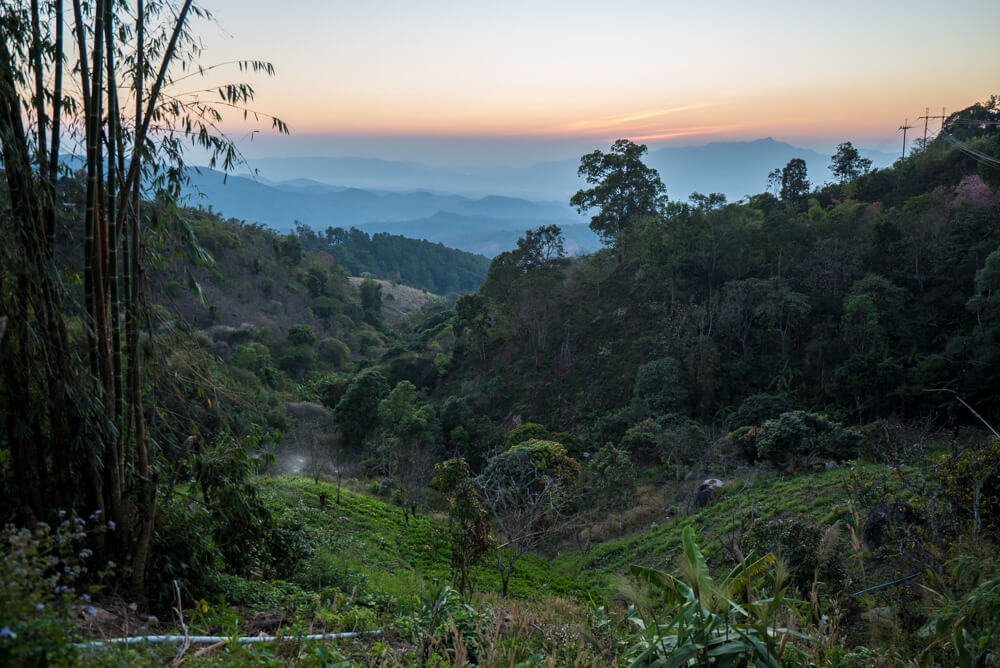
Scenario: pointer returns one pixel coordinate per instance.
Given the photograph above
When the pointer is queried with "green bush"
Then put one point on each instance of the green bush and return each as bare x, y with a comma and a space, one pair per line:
797, 542
334, 352
757, 409
180, 551
255, 357
574, 444
266, 286
327, 569
660, 386
301, 335
523, 432
42, 574
800, 433
644, 442
297, 361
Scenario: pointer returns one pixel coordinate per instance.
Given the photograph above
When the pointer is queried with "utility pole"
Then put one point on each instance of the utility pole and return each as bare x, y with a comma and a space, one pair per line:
941, 131
904, 127
926, 118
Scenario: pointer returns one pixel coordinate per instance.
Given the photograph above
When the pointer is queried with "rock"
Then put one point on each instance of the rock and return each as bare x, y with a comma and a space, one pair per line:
883, 519
703, 497
706, 492
831, 465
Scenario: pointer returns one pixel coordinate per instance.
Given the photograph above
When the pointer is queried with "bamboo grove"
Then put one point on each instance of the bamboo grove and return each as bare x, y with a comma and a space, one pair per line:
97, 82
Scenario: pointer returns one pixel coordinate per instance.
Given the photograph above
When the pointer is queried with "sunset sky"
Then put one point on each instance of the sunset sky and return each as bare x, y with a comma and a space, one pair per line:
512, 81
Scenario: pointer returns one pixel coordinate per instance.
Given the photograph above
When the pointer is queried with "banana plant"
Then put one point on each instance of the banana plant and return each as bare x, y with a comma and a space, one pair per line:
705, 623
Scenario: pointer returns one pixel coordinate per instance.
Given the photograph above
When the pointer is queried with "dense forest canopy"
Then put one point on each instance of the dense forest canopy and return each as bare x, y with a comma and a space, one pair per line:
420, 263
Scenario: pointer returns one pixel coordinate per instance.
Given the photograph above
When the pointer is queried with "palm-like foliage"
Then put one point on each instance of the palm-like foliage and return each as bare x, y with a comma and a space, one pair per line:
968, 622
709, 622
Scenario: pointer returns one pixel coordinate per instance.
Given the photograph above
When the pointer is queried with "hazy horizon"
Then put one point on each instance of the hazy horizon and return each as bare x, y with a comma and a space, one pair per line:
487, 152
521, 82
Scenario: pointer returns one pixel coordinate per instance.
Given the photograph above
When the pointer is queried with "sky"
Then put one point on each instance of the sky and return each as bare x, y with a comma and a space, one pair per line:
512, 82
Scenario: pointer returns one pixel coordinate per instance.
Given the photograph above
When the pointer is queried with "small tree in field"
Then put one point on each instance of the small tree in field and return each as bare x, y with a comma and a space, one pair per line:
526, 491
611, 478
313, 436
468, 522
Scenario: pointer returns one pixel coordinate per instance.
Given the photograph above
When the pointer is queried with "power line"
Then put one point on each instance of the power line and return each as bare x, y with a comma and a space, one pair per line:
968, 150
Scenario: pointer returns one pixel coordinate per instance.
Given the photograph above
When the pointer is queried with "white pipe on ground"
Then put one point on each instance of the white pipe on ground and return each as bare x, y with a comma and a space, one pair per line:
135, 640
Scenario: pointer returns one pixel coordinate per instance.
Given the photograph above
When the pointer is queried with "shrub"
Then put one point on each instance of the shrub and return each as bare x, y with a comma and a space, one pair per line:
327, 569
644, 441
301, 335
968, 619
266, 286
297, 361
660, 386
181, 552
523, 432
574, 444
41, 574
757, 409
970, 481
796, 541
800, 433
255, 357
334, 351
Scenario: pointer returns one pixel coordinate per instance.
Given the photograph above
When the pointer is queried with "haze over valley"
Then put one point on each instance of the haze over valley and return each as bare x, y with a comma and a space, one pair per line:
477, 209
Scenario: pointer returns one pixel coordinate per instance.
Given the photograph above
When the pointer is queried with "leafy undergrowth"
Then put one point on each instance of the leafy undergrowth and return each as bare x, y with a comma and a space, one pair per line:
363, 568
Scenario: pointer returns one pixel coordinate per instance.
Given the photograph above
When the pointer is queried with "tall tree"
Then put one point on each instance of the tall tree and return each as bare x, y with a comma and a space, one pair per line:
76, 429
847, 164
624, 190
794, 182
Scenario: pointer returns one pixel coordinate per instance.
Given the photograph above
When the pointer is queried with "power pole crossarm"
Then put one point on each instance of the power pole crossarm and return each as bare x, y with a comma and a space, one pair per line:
904, 127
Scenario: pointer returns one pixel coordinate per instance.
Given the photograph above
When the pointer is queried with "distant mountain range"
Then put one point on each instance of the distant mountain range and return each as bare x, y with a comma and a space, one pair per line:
735, 169
486, 225
481, 210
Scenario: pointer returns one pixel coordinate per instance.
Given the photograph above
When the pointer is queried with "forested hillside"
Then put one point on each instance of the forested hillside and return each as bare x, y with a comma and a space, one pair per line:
418, 263
744, 433
865, 299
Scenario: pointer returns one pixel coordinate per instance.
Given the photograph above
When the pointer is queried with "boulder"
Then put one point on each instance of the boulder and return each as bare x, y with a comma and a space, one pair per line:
706, 492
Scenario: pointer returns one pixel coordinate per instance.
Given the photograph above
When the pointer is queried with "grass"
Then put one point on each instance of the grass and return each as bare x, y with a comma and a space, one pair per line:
367, 536
369, 569
816, 497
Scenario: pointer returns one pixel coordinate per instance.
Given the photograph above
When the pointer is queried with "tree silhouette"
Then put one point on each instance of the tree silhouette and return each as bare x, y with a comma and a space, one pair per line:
624, 189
